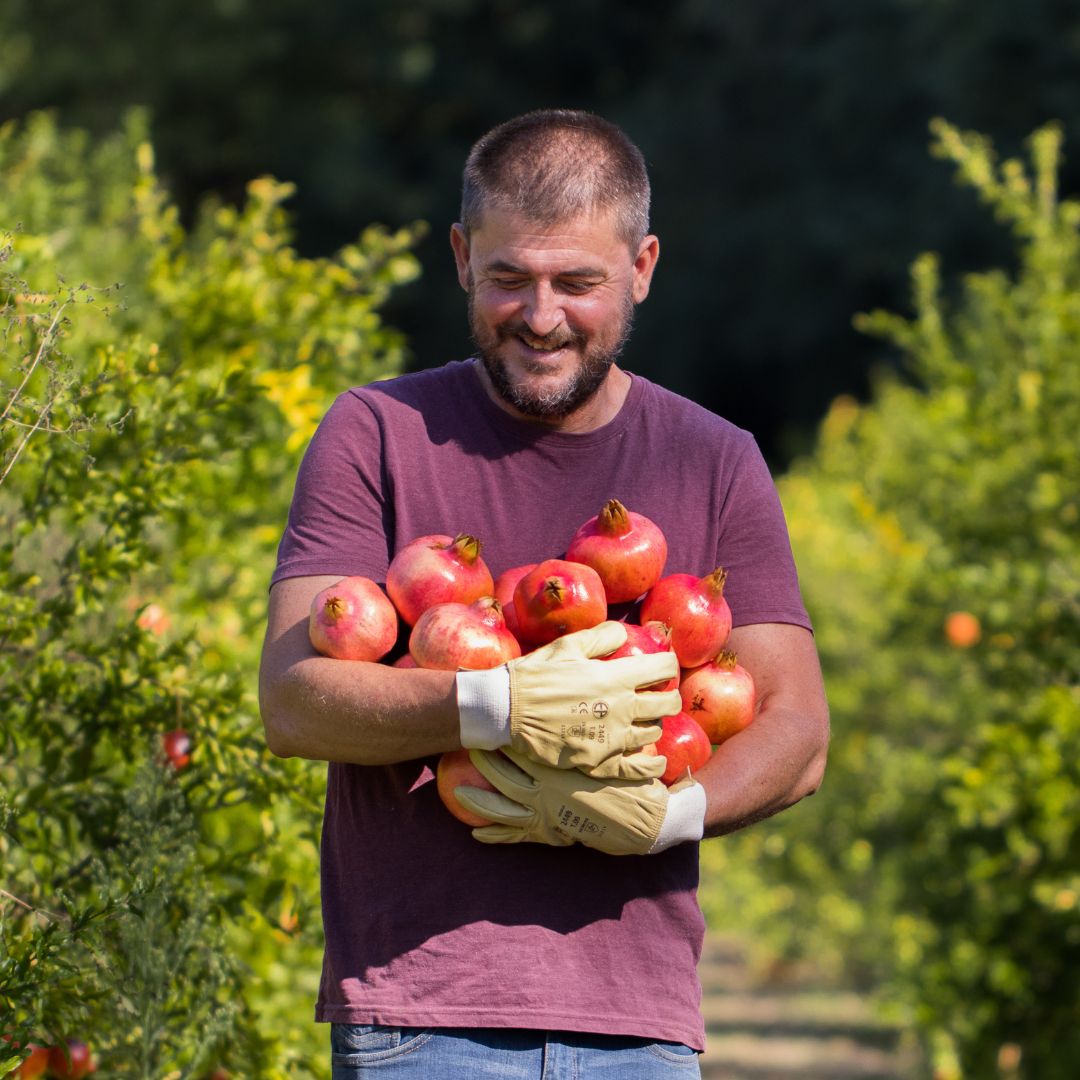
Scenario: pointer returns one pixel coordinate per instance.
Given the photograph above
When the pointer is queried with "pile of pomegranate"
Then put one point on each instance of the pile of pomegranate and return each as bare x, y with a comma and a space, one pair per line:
463, 618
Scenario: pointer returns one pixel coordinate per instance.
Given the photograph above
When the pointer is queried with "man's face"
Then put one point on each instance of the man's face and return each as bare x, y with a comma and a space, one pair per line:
550, 307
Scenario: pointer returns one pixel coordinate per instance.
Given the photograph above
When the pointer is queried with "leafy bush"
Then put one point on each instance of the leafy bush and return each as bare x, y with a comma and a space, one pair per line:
157, 386
942, 853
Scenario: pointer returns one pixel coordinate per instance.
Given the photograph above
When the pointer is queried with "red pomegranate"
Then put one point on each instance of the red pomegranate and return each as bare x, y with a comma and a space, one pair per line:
558, 597
353, 620
627, 550
452, 637
434, 570
696, 611
684, 744
456, 770
76, 1063
720, 695
653, 637
405, 661
505, 584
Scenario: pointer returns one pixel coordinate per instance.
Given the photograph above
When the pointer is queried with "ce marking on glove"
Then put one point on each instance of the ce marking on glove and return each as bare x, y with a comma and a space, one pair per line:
599, 709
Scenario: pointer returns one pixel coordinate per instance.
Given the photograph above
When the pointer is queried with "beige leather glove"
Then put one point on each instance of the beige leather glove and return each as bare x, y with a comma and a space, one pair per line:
543, 805
569, 710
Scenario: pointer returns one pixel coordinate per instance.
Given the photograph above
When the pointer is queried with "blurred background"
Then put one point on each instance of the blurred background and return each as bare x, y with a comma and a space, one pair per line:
788, 146
216, 215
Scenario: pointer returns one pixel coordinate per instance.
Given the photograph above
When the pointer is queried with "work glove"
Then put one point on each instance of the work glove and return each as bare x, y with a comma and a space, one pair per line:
543, 805
562, 707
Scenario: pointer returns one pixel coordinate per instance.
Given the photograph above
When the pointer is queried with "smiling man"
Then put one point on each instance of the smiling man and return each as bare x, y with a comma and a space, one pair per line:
562, 939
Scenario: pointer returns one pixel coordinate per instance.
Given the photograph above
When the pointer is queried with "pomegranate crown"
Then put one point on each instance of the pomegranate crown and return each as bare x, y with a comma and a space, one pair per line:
613, 519
726, 659
465, 547
715, 581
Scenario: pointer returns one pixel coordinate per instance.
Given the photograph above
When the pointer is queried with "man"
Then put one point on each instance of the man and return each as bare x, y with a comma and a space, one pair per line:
452, 952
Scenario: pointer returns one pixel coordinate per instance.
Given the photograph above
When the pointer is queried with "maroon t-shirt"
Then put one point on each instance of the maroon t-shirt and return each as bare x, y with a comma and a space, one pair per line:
424, 925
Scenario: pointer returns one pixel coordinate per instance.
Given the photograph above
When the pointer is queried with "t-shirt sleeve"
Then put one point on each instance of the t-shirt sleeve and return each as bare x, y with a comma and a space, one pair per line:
754, 548
336, 522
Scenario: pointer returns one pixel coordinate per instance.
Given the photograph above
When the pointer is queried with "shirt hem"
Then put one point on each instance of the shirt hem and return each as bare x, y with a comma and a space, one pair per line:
634, 1027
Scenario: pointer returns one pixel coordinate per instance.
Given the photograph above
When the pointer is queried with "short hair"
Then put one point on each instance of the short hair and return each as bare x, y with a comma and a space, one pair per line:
552, 165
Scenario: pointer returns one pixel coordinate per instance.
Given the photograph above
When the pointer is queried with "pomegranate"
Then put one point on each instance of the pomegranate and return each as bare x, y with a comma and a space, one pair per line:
684, 744
505, 584
177, 747
405, 661
962, 629
455, 636
72, 1064
653, 637
696, 611
456, 770
627, 550
720, 695
34, 1064
353, 620
434, 570
558, 597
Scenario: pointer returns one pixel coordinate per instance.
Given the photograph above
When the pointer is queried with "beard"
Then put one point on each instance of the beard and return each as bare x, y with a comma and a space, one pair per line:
556, 402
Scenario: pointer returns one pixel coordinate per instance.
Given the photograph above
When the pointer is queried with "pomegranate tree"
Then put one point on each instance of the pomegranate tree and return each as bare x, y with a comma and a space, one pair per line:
558, 597
434, 570
626, 549
696, 611
720, 695
353, 620
452, 637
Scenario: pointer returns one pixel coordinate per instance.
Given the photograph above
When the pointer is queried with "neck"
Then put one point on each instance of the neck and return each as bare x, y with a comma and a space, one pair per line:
599, 410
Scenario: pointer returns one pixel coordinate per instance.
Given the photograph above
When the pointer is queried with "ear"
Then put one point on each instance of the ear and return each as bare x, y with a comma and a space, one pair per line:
460, 243
644, 265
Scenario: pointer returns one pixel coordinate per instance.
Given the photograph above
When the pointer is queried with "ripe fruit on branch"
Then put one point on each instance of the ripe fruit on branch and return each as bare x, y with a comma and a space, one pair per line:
33, 1065
73, 1064
684, 744
505, 584
353, 620
434, 570
720, 695
696, 611
177, 747
456, 770
473, 636
558, 597
653, 637
627, 550
962, 629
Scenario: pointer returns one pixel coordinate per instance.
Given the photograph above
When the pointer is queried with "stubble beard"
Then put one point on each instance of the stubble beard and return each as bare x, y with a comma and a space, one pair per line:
557, 402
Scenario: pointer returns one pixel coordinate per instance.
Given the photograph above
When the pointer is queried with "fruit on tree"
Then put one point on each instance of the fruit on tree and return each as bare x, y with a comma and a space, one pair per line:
962, 629
177, 746
696, 611
653, 637
558, 597
720, 695
452, 637
434, 570
34, 1064
456, 770
72, 1063
685, 745
352, 620
626, 549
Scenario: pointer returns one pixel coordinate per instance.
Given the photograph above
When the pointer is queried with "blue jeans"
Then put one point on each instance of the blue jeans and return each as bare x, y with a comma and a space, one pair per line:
502, 1054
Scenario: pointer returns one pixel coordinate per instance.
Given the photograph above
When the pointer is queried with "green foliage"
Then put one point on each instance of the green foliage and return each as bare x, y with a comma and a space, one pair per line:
943, 850
157, 385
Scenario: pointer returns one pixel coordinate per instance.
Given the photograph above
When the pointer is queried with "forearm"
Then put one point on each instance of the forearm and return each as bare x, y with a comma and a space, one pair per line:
769, 766
345, 710
367, 714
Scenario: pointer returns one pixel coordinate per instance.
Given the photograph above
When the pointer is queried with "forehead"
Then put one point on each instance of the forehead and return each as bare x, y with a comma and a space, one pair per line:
506, 236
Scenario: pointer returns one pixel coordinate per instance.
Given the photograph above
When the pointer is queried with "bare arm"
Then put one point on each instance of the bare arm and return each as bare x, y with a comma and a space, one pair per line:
345, 710
780, 758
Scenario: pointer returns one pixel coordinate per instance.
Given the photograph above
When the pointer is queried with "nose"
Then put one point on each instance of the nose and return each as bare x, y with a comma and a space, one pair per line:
543, 312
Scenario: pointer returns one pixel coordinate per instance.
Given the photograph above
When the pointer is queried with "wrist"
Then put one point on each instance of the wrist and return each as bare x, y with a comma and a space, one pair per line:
483, 699
684, 820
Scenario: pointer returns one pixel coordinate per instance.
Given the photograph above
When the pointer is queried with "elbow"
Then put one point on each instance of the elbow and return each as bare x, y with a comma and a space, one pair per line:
814, 775
275, 713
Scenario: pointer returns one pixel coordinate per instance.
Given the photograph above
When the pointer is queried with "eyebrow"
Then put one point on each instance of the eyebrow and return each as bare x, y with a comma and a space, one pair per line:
501, 266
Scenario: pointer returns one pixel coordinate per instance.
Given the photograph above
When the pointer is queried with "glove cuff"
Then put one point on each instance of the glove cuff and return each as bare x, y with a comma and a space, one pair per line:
483, 699
684, 820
